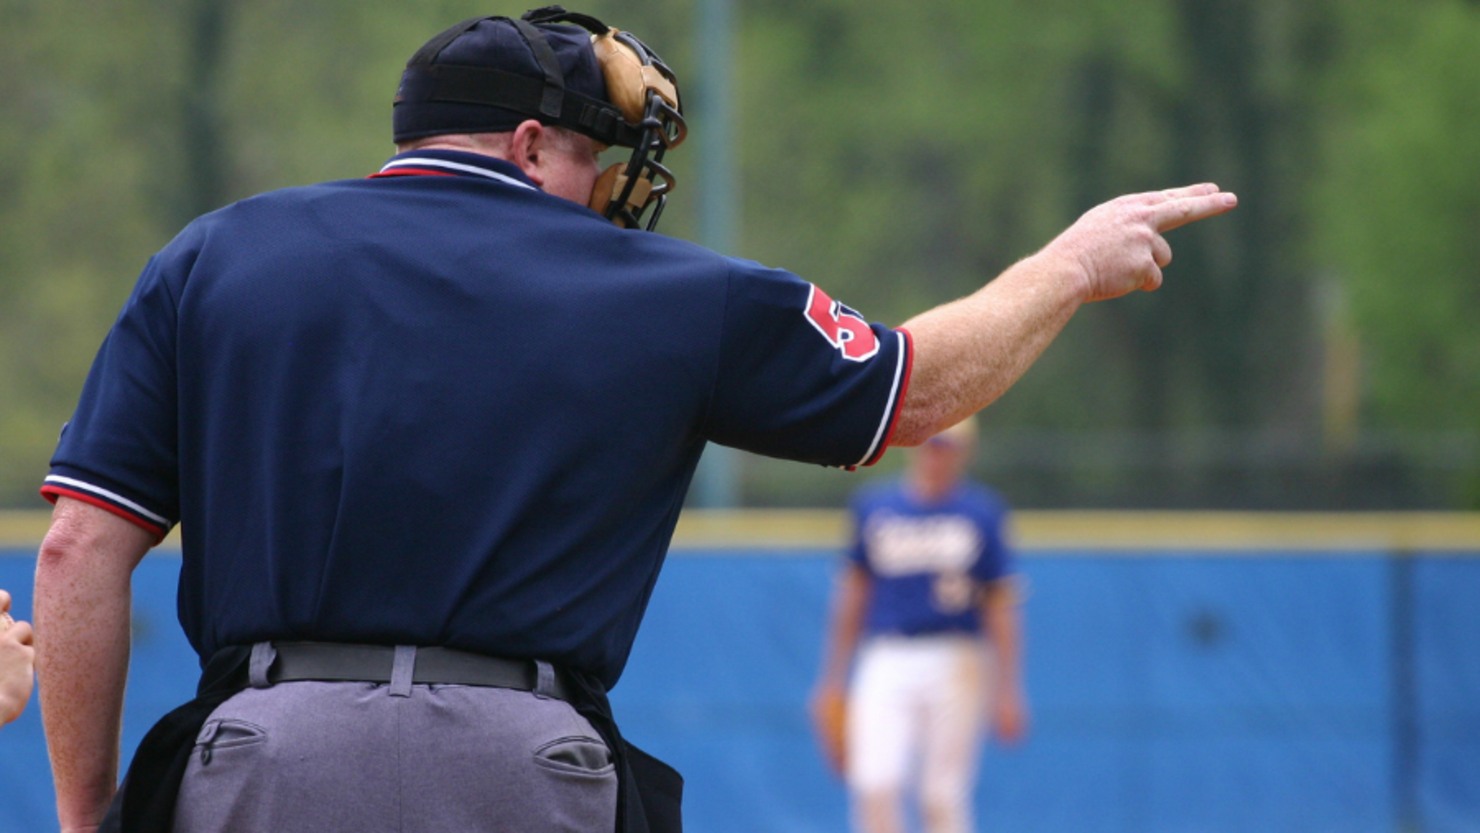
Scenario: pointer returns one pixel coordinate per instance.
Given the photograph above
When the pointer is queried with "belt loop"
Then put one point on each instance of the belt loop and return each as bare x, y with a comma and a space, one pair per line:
544, 680
263, 656
402, 670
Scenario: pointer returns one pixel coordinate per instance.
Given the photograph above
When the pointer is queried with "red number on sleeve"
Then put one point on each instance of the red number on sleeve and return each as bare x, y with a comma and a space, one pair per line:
842, 327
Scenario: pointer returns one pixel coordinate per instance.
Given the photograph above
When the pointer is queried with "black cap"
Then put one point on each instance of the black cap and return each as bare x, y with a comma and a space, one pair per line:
488, 74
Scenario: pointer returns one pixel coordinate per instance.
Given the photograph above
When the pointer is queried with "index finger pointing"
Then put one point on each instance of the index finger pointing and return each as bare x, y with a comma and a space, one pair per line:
1190, 191
1167, 194
1179, 212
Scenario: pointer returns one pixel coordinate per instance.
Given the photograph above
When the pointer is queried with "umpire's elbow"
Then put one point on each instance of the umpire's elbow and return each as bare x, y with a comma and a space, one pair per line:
916, 425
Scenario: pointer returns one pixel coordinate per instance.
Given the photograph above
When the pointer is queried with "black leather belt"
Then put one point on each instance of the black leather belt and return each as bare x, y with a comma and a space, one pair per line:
340, 662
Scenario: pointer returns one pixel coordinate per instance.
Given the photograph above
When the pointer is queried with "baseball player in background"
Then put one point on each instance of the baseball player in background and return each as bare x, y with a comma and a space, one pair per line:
427, 435
16, 656
926, 613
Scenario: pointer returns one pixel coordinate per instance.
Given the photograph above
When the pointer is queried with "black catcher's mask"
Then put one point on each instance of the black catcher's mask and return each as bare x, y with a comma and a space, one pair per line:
595, 80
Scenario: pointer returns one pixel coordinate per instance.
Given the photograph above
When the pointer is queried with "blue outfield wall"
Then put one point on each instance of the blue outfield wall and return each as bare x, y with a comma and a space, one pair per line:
1301, 691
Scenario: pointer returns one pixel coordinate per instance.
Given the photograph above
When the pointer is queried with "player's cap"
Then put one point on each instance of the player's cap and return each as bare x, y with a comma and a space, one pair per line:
962, 433
489, 74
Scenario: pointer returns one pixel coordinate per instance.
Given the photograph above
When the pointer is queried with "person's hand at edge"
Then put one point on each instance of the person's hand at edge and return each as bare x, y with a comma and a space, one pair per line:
17, 663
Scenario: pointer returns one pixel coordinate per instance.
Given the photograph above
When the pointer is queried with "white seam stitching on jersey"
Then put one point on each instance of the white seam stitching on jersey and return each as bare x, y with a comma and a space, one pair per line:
457, 166
67, 481
893, 406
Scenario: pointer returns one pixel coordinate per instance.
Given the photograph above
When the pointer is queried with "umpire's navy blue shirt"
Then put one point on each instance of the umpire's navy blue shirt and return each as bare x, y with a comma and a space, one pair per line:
438, 406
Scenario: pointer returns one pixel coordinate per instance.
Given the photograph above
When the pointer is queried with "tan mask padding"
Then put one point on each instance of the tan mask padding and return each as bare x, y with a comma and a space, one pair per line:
627, 80
609, 186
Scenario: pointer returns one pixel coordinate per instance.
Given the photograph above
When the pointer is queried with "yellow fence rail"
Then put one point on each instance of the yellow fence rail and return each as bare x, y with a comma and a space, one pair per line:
1148, 533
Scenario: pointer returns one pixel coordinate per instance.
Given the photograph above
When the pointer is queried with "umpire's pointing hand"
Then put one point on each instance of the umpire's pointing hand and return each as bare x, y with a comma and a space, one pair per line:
1118, 246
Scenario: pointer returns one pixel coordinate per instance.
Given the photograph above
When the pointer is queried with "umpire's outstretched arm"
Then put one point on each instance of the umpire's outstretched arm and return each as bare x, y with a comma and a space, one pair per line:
968, 352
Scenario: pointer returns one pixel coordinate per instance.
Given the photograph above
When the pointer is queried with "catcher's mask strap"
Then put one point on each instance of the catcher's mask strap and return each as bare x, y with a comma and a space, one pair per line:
547, 99
520, 93
554, 93
631, 69
558, 14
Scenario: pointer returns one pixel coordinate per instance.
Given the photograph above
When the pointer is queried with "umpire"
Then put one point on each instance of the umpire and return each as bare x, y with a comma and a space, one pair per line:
427, 435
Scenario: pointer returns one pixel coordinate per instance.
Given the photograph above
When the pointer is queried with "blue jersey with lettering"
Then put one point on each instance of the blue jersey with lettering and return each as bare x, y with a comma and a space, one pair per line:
928, 561
439, 406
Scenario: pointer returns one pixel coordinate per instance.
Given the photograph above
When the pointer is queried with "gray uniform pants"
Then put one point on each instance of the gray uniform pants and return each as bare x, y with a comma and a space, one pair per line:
315, 756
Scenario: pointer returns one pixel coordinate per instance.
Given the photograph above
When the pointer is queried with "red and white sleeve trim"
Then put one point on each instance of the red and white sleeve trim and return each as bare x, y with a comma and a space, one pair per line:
56, 486
904, 364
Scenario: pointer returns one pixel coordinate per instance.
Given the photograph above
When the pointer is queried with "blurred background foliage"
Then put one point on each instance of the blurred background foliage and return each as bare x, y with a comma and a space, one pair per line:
1318, 348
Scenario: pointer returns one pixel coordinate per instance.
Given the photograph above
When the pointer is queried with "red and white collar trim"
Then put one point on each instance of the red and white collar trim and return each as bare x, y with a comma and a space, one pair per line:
421, 164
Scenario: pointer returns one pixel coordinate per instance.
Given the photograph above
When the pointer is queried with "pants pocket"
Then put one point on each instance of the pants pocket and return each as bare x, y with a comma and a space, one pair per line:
223, 734
569, 785
576, 755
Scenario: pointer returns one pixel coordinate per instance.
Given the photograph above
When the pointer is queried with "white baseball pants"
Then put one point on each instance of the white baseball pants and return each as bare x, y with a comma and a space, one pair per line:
916, 718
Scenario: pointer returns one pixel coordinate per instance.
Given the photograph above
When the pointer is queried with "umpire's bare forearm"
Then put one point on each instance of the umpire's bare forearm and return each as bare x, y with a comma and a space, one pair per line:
83, 583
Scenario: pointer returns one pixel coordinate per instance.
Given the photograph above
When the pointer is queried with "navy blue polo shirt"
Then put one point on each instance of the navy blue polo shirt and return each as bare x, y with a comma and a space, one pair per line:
438, 406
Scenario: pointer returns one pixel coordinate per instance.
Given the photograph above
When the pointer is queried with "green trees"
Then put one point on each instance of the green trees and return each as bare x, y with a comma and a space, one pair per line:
922, 149
1317, 347
1400, 224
